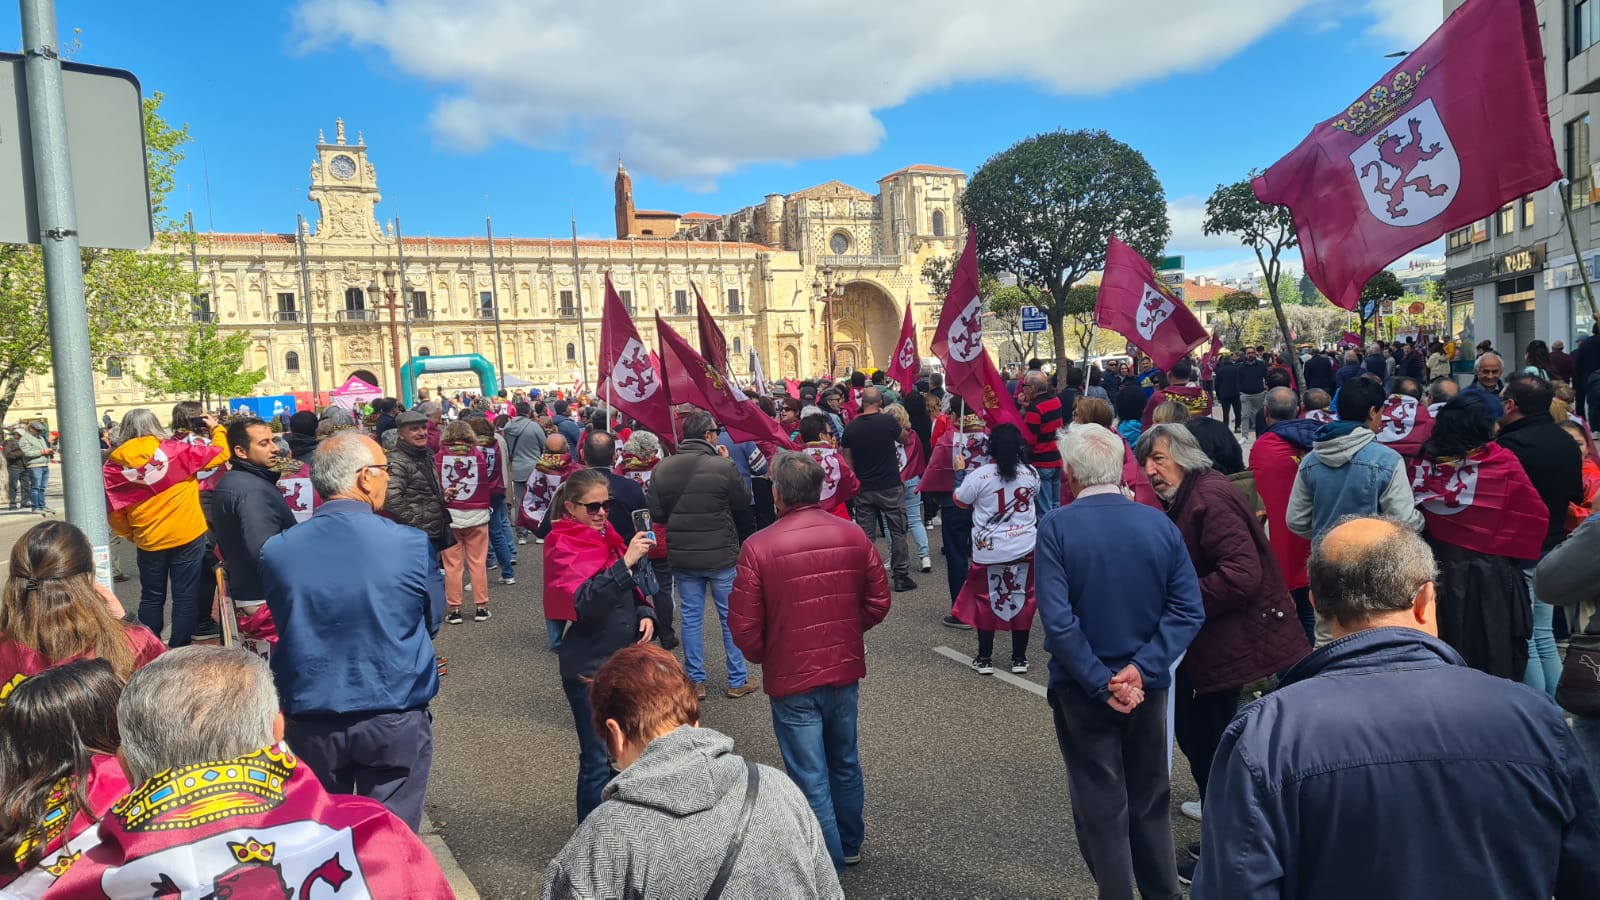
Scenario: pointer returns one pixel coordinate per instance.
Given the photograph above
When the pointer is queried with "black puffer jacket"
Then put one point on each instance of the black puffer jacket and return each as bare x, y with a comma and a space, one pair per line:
696, 492
414, 496
246, 509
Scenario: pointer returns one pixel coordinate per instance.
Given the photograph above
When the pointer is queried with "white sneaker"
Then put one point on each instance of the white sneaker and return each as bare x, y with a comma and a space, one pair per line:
927, 564
508, 581
538, 540
1191, 810
522, 540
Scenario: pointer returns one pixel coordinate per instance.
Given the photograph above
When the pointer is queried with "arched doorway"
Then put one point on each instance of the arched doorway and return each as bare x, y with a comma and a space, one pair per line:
365, 375
865, 327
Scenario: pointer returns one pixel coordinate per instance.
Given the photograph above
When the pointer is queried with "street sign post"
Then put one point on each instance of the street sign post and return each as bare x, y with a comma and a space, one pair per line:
42, 176
1170, 264
1034, 320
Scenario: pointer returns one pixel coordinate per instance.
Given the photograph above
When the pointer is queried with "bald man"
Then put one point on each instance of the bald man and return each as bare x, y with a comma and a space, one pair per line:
1384, 767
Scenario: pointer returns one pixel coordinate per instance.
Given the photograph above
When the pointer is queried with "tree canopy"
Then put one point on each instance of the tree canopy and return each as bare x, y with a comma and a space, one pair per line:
205, 365
1045, 208
1268, 231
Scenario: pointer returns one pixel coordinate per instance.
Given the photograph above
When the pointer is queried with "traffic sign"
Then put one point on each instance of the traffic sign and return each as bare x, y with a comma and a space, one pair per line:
1033, 320
1170, 264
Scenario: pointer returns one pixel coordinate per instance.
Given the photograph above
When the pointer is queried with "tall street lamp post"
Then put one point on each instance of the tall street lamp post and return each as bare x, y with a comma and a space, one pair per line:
394, 328
827, 292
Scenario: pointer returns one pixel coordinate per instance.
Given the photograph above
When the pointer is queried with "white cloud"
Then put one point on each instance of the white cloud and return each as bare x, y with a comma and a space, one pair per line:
1404, 23
691, 89
1187, 215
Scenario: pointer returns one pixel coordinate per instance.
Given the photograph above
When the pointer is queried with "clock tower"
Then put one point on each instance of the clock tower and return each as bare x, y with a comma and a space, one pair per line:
345, 189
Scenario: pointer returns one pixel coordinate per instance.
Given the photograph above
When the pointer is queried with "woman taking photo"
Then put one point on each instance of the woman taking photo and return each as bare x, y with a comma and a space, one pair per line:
589, 582
687, 817
58, 771
52, 610
998, 593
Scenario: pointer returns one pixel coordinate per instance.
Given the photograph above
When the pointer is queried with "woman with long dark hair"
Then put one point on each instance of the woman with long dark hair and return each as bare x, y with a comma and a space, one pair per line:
58, 770
589, 581
998, 593
52, 611
1536, 359
1130, 411
1484, 523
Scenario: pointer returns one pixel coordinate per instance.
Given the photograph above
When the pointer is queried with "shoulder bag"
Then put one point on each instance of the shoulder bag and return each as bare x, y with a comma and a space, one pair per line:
752, 788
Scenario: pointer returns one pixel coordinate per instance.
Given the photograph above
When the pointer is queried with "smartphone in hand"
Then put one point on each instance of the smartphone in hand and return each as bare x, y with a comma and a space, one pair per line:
642, 523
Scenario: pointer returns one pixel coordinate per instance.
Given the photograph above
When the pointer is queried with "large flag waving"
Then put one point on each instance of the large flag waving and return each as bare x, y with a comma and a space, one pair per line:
634, 382
1445, 138
713, 345
969, 373
1136, 304
693, 380
904, 367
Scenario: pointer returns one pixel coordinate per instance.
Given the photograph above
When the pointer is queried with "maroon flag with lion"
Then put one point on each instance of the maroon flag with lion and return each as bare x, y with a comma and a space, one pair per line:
630, 374
1448, 136
1484, 503
690, 379
1136, 304
969, 373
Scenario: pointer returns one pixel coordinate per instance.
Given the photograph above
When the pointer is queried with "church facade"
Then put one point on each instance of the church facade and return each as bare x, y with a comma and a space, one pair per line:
350, 296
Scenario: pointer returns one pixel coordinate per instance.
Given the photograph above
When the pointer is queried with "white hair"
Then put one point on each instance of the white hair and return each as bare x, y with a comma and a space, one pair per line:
141, 422
338, 462
1477, 365
195, 705
1091, 454
643, 444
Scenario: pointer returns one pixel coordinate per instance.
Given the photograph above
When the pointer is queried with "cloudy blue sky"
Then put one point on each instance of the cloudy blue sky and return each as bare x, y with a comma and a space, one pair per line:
522, 107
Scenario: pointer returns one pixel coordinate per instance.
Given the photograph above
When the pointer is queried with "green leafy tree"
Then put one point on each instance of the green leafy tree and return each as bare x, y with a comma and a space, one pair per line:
1004, 305
1080, 309
1044, 210
1382, 288
207, 365
1267, 230
938, 271
129, 295
1235, 306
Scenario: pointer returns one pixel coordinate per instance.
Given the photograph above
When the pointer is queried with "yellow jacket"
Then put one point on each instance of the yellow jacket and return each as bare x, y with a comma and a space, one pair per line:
173, 517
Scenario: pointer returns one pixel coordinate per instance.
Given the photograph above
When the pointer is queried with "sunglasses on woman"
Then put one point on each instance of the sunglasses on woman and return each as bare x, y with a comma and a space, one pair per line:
594, 509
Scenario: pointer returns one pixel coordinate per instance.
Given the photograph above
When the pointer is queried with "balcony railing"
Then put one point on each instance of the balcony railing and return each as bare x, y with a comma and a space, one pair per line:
202, 315
569, 312
859, 262
421, 314
288, 315
358, 315
485, 312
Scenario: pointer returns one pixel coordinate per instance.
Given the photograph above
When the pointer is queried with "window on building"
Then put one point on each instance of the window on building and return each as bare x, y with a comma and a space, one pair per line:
291, 361
1506, 219
114, 367
355, 303
1527, 211
1585, 25
201, 308
734, 303
1577, 160
1460, 239
424, 351
486, 304
286, 308
680, 303
738, 347
938, 223
419, 304
572, 352
627, 300
568, 309
839, 243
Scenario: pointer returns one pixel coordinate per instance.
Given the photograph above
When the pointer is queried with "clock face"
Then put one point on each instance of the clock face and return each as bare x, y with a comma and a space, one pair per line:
840, 243
342, 167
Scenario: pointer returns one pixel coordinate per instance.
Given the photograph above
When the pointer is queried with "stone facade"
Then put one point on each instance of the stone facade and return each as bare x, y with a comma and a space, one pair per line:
758, 270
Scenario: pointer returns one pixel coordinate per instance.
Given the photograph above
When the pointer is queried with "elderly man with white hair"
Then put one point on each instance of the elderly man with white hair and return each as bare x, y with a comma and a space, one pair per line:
354, 660
220, 808
1120, 603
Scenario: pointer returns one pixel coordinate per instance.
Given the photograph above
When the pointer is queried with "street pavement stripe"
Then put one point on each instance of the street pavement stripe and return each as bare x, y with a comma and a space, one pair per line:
1007, 677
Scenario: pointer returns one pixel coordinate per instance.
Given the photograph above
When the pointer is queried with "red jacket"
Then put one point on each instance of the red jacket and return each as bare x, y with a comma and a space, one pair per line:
807, 589
1275, 462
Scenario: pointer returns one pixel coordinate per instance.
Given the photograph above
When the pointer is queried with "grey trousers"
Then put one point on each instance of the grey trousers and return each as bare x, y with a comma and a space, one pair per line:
1117, 779
891, 504
1249, 406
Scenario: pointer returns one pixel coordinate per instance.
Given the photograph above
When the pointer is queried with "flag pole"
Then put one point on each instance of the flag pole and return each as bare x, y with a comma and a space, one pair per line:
955, 452
1572, 235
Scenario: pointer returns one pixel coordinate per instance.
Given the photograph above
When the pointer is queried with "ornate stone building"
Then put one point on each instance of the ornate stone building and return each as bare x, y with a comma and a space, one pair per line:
368, 298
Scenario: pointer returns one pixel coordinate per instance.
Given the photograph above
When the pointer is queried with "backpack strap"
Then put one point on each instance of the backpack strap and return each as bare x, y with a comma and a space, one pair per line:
752, 788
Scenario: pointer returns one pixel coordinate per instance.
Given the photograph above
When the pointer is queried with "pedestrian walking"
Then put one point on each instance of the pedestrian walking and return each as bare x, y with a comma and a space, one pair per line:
870, 443
362, 725
502, 553
464, 479
1120, 603
912, 461
999, 591
1290, 783
1252, 389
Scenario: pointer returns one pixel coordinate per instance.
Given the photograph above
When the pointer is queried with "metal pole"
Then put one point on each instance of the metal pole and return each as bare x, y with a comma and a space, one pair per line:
577, 291
494, 299
305, 288
63, 275
405, 293
1577, 254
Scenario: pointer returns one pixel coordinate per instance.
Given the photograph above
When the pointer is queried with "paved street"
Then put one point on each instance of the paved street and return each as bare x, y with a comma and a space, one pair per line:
966, 792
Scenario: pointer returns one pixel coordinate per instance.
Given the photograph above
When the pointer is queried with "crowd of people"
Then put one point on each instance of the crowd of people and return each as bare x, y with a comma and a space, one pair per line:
1355, 623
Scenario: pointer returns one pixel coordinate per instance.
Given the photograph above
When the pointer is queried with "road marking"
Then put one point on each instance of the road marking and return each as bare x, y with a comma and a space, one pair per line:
1007, 677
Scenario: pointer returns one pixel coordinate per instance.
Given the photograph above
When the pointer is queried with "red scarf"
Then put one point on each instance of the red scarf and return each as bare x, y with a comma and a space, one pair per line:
1194, 399
70, 831
143, 468
1407, 425
573, 554
17, 663
972, 443
546, 478
839, 482
259, 826
909, 454
464, 477
295, 486
1484, 503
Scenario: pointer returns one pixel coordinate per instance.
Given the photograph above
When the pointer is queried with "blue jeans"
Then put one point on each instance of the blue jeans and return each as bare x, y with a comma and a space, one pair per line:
594, 763
555, 627
692, 588
500, 538
1587, 730
1544, 664
181, 567
1049, 491
955, 524
918, 531
816, 734
37, 479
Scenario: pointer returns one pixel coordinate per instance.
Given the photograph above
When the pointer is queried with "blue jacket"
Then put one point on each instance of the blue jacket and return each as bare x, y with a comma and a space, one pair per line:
356, 600
1348, 473
747, 458
1384, 767
1114, 585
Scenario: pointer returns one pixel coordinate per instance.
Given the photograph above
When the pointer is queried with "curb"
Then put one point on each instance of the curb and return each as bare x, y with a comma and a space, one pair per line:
453, 873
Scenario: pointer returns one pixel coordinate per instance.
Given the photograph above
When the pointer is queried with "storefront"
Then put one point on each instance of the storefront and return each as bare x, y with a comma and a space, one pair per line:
1495, 299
